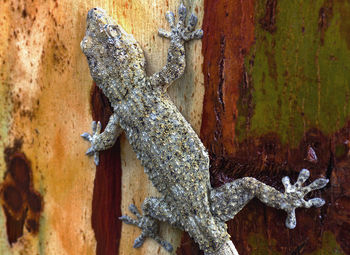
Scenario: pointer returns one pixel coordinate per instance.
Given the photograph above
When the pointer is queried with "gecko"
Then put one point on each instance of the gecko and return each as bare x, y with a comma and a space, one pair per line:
172, 154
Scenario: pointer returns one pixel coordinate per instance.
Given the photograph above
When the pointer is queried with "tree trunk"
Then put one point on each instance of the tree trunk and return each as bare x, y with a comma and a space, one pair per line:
272, 79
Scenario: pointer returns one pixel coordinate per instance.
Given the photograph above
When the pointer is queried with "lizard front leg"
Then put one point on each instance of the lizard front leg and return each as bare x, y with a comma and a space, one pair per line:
229, 199
102, 141
179, 33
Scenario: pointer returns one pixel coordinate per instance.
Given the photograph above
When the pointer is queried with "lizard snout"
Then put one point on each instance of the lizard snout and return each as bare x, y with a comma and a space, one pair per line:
95, 13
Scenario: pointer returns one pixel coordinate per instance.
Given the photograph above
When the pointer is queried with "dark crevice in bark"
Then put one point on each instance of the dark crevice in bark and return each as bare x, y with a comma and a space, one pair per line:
330, 167
299, 249
325, 15
106, 202
268, 22
222, 71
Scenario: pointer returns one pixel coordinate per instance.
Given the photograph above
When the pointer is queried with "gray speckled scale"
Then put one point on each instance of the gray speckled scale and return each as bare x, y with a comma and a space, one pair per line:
171, 152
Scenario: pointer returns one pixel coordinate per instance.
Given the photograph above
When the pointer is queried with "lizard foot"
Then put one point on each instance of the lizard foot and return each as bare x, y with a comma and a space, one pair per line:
93, 139
294, 195
149, 228
181, 30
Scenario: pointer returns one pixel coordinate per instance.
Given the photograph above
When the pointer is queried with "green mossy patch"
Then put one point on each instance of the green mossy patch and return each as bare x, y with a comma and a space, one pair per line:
299, 72
261, 246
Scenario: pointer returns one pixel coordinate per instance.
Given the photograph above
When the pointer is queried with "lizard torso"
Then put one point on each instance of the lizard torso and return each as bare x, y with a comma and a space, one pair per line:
172, 154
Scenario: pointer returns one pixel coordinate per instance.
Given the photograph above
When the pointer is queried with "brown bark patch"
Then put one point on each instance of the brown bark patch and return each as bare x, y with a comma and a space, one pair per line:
337, 213
264, 155
268, 22
345, 25
228, 35
22, 204
188, 246
106, 202
325, 16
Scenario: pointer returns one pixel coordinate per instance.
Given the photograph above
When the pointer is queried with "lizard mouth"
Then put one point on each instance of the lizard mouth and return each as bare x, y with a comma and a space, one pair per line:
85, 44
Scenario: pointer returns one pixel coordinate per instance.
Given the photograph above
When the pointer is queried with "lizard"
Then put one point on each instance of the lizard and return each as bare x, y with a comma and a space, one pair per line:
172, 154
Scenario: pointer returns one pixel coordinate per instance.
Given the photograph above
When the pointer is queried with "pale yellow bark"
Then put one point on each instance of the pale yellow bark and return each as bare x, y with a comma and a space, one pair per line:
45, 100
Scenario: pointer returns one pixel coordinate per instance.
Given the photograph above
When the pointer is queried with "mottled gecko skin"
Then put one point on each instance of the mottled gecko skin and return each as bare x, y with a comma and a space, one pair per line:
172, 154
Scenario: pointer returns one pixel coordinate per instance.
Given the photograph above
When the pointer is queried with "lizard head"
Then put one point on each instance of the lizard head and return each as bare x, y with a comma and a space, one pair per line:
113, 55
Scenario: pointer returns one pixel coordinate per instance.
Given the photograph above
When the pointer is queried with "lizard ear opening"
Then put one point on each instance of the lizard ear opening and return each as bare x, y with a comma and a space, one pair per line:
113, 31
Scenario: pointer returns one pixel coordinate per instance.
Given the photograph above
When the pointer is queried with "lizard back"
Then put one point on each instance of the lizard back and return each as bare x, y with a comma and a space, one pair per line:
174, 158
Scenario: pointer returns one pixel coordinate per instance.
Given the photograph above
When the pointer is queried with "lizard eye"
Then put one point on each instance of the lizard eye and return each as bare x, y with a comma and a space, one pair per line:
112, 31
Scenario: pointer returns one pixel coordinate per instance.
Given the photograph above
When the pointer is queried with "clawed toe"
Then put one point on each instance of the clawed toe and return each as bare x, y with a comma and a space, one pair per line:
291, 220
168, 247
163, 33
86, 136
134, 210
97, 158
182, 14
89, 151
198, 34
192, 22
317, 202
170, 17
128, 220
139, 241
316, 184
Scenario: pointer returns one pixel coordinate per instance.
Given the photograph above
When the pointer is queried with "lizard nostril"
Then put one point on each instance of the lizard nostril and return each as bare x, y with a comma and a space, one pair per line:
90, 13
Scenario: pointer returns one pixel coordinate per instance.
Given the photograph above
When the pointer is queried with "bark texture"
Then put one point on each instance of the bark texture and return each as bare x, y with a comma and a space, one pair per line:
276, 101
276, 78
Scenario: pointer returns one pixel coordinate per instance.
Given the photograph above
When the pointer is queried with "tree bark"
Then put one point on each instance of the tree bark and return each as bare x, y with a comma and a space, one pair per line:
272, 78
227, 249
276, 101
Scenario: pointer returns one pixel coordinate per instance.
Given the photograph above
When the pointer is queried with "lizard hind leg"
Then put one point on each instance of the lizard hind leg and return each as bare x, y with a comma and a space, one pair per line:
230, 198
154, 210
